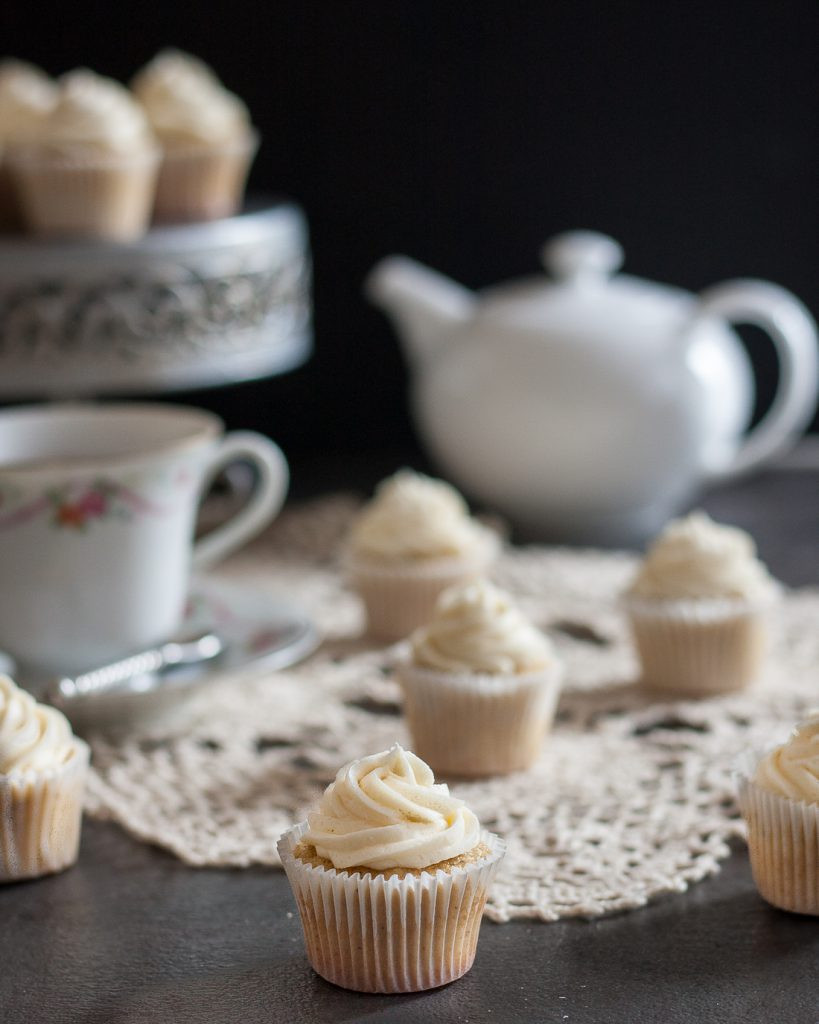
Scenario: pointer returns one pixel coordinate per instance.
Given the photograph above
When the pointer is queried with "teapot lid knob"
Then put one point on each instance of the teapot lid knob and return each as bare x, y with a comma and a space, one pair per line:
582, 255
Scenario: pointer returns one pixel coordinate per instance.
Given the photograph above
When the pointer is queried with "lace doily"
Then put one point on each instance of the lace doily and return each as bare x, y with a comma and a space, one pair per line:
631, 797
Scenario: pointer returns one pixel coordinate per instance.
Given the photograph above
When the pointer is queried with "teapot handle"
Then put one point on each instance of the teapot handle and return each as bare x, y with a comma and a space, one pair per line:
792, 330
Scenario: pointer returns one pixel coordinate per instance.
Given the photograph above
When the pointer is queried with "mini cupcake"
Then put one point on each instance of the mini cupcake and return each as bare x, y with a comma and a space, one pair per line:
698, 608
391, 874
90, 170
207, 140
480, 684
411, 542
780, 804
27, 96
43, 767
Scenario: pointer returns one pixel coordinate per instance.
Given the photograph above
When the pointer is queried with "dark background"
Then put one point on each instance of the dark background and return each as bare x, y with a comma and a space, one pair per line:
465, 134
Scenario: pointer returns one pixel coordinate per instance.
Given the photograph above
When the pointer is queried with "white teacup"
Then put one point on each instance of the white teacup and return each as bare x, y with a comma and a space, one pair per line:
98, 506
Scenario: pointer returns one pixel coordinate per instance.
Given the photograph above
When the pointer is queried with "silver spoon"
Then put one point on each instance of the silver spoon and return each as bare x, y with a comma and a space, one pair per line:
117, 674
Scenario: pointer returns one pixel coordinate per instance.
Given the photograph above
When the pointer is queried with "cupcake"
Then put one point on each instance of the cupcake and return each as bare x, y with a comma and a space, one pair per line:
480, 684
698, 607
27, 96
411, 542
207, 140
90, 169
391, 875
780, 804
42, 776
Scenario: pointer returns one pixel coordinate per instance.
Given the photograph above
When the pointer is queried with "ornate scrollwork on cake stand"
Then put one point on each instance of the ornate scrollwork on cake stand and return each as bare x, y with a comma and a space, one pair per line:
193, 306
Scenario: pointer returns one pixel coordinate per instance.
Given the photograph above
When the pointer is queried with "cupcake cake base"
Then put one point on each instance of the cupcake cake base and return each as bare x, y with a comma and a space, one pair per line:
783, 845
699, 648
399, 597
391, 931
107, 199
475, 726
41, 817
203, 183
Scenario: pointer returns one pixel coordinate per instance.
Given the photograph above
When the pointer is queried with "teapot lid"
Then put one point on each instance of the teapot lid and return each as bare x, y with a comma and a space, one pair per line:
585, 294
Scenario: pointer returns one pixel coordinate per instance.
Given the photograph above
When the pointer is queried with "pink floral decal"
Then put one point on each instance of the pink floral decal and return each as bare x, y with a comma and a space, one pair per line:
264, 639
93, 504
76, 506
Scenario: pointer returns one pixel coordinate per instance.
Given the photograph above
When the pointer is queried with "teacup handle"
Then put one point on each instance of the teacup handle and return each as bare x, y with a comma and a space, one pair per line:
262, 505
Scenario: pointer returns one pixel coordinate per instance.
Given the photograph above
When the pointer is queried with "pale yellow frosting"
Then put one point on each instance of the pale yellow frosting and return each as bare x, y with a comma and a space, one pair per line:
94, 116
792, 769
33, 737
187, 104
27, 95
386, 811
414, 518
476, 628
695, 558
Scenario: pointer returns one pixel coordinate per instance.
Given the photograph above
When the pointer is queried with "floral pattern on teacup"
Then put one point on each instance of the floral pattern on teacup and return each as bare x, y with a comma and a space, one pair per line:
76, 506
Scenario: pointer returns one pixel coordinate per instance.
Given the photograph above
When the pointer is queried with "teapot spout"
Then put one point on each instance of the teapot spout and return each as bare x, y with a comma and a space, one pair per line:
424, 304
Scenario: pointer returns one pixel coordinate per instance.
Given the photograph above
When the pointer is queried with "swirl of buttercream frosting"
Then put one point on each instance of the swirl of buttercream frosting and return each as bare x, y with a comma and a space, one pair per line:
695, 557
33, 737
186, 103
27, 95
94, 115
477, 628
386, 811
413, 517
792, 769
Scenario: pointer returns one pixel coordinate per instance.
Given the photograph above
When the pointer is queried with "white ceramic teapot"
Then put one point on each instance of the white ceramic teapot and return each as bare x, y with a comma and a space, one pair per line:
592, 407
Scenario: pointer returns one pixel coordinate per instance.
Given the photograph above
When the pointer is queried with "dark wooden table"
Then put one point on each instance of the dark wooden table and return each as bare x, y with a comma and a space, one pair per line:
132, 935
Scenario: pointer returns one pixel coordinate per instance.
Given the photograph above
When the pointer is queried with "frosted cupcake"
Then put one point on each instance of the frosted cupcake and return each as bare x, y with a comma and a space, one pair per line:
391, 874
90, 169
206, 136
780, 804
27, 96
480, 684
698, 608
411, 542
43, 767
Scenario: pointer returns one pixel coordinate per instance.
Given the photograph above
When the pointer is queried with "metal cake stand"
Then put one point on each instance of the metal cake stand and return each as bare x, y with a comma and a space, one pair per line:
186, 307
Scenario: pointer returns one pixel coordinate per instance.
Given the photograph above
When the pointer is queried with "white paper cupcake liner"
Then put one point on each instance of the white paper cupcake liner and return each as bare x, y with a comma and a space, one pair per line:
783, 845
401, 597
203, 182
94, 197
372, 933
698, 647
475, 725
40, 818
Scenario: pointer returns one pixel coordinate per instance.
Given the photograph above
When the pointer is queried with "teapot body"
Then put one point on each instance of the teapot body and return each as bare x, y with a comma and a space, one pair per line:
576, 439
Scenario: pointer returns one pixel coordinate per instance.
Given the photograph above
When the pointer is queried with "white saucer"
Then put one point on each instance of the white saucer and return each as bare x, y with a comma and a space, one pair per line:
255, 628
